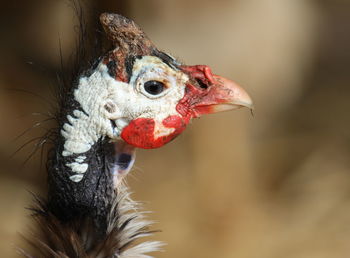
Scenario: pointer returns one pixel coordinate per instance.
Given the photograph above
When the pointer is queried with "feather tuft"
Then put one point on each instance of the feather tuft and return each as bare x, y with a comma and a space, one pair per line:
126, 222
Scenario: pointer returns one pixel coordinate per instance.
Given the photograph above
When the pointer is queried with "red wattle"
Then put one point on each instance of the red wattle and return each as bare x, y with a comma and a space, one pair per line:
140, 132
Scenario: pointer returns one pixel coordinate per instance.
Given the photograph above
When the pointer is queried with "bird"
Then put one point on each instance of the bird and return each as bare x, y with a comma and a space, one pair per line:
132, 96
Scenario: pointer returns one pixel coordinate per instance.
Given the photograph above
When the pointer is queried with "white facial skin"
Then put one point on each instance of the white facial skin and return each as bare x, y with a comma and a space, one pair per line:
104, 99
133, 101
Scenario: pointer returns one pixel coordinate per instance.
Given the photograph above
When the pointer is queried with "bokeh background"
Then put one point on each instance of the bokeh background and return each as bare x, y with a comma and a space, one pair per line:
269, 186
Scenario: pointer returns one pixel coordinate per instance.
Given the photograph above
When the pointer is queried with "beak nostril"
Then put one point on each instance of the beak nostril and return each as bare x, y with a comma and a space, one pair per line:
202, 84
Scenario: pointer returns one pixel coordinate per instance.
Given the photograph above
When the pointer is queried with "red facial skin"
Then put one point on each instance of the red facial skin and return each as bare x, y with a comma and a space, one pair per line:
140, 132
196, 101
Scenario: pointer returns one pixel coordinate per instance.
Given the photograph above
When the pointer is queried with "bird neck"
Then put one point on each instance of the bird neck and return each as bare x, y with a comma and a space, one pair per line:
86, 165
82, 160
91, 194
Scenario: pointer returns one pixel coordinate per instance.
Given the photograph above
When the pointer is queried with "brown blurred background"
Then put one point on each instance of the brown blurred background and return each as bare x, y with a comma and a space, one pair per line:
269, 186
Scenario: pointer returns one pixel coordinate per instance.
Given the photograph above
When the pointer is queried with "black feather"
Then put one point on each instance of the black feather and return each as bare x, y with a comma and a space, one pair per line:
78, 238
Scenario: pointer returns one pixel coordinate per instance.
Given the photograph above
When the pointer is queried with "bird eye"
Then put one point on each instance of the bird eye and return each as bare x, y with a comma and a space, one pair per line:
154, 87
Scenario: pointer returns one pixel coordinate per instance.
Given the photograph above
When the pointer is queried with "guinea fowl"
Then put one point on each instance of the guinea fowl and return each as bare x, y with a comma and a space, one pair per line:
134, 96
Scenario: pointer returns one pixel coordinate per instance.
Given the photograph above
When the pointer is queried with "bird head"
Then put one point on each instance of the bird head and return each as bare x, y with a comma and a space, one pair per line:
154, 96
139, 97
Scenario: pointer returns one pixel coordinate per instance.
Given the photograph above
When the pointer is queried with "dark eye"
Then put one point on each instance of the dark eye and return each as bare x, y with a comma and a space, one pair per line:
154, 87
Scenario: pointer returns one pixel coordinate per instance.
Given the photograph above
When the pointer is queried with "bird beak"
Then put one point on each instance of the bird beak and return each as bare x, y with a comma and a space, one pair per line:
223, 95
216, 93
